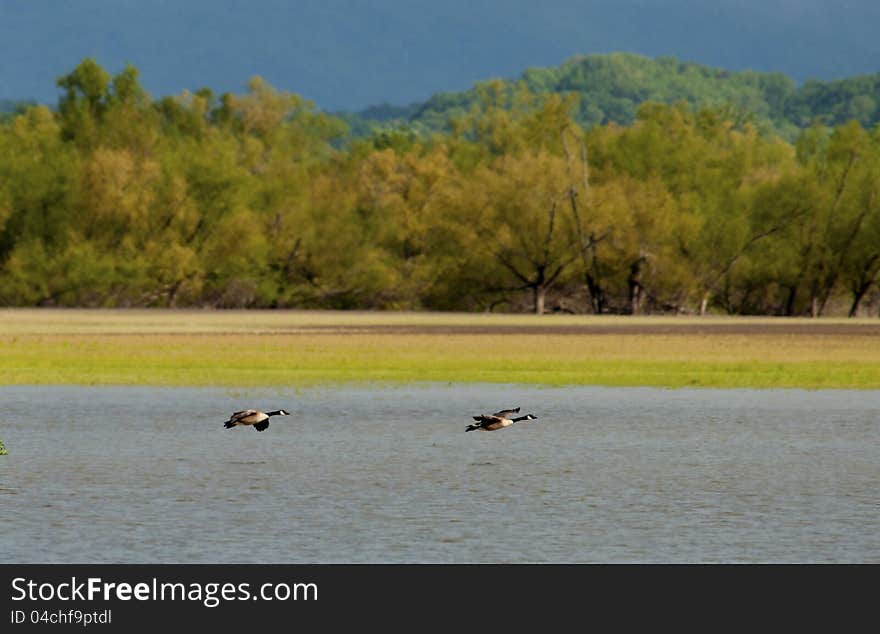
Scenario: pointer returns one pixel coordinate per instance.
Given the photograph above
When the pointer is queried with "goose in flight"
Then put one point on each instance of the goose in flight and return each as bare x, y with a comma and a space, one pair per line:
260, 420
498, 420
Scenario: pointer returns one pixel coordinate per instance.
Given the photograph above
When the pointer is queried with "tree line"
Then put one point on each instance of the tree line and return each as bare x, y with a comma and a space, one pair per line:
254, 200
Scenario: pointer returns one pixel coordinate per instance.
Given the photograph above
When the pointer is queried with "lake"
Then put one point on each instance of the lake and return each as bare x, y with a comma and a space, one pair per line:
387, 474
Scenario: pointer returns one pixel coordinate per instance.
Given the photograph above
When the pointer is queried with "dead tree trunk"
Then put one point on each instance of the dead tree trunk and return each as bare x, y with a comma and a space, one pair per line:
636, 289
858, 294
711, 284
586, 245
837, 266
788, 308
597, 294
867, 278
540, 294
831, 269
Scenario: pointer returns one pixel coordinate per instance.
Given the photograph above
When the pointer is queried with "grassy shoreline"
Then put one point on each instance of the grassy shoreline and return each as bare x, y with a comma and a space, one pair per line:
299, 348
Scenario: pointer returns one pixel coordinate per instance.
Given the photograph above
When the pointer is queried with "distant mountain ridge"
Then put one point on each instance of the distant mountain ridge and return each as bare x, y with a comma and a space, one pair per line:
612, 86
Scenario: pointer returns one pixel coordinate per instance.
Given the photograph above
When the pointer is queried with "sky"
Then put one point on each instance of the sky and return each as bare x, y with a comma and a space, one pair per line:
349, 54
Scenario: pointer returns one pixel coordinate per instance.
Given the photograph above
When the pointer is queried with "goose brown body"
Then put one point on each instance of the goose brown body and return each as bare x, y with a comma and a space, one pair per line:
260, 420
498, 420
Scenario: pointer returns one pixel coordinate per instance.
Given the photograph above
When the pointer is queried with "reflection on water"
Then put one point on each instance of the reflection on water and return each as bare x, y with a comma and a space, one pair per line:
388, 475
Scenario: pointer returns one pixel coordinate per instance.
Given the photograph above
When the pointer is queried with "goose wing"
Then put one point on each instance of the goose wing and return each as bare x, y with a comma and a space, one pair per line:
487, 419
505, 413
237, 416
483, 421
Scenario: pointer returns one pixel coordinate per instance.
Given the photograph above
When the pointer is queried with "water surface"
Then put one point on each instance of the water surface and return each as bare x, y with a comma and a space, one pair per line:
383, 474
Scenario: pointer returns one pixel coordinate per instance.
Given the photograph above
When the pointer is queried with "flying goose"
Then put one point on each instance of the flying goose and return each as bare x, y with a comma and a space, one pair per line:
260, 420
498, 420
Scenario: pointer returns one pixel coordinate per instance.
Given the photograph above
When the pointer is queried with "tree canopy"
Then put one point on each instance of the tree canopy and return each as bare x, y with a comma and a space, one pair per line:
250, 200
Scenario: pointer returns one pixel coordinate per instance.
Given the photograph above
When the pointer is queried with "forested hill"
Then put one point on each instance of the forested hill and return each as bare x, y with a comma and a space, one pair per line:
612, 86
9, 108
